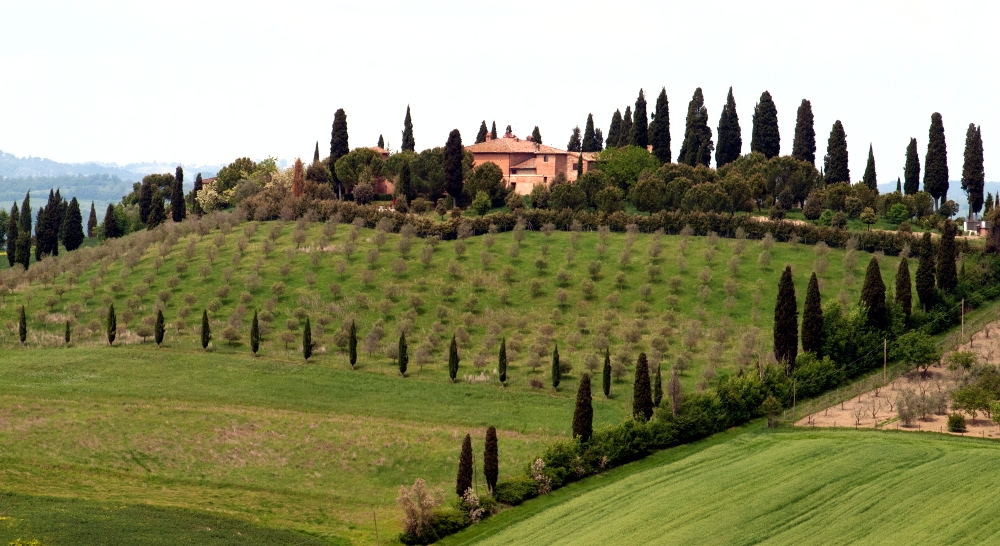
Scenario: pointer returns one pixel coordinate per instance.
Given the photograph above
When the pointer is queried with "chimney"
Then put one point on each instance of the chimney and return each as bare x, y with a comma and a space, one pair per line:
489, 136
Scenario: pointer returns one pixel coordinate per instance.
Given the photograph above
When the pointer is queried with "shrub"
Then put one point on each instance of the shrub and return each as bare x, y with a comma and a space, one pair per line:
514, 491
956, 422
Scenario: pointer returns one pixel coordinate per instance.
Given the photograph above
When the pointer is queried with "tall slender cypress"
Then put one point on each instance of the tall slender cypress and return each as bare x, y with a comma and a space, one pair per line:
812, 319
657, 387
640, 127
911, 172
23, 254
873, 296
254, 335
352, 344
835, 162
112, 324
453, 165
598, 139
606, 373
936, 162
870, 179
626, 129
22, 326
575, 144
536, 135
464, 481
583, 414
556, 370
68, 333
904, 295
615, 130
403, 358
158, 328
12, 235
502, 362
316, 151
947, 273
786, 322
206, 330
697, 146
112, 229
73, 234
766, 139
483, 131
730, 135
926, 272
338, 147
642, 396
804, 143
493, 130
92, 221
660, 137
408, 144
307, 340
453, 359
973, 175
178, 211
491, 459
588, 145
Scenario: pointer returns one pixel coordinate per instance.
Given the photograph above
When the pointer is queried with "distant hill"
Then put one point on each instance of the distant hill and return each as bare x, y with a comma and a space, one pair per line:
12, 166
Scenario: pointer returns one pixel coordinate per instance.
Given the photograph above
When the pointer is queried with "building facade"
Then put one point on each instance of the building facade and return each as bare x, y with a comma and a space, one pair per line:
526, 164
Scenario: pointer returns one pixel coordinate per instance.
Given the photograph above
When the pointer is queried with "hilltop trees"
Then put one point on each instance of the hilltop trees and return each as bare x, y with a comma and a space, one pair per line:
92, 221
464, 480
947, 273
22, 250
911, 172
698, 146
625, 132
973, 175
483, 131
873, 296
766, 139
812, 319
298, 178
588, 144
13, 229
804, 143
660, 128
730, 135
491, 459
614, 131
338, 148
536, 135
408, 144
493, 130
177, 209
112, 228
73, 234
575, 144
453, 165
926, 272
904, 295
786, 322
157, 211
835, 162
936, 162
583, 415
642, 394
640, 127
870, 179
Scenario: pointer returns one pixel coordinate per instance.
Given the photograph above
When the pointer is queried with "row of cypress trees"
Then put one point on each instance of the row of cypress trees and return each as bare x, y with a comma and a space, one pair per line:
491, 463
57, 221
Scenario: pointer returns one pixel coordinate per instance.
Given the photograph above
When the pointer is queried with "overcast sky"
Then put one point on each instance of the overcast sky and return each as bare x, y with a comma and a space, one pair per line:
205, 82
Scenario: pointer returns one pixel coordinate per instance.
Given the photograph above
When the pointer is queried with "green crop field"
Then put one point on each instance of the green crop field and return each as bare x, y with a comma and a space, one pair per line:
796, 487
317, 447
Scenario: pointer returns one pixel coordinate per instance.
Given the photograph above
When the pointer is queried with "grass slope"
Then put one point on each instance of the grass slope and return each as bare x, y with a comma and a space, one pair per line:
795, 487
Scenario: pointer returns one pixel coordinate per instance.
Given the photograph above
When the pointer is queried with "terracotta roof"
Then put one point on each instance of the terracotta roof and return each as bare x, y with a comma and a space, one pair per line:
526, 164
513, 146
379, 150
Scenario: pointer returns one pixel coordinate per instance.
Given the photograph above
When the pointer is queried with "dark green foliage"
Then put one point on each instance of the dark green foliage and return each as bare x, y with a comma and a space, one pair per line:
786, 322
254, 334
697, 146
453, 165
112, 324
626, 128
177, 209
657, 387
730, 135
598, 140
956, 422
68, 334
493, 130
206, 330
381, 142
338, 148
575, 144
870, 179
73, 234
899, 185
606, 373
406, 187
483, 131
926, 273
973, 175
588, 144
502, 362
873, 296
642, 395
812, 319
352, 344
615, 130
158, 328
804, 143
766, 139
157, 211
453, 359
904, 295
464, 481
198, 184
771, 408
515, 490
936, 162
403, 359
408, 143
556, 370
640, 126
13, 229
112, 227
22, 326
911, 171
316, 151
491, 459
307, 340
146, 191
835, 163
583, 415
947, 272
536, 135
92, 221
22, 251
660, 128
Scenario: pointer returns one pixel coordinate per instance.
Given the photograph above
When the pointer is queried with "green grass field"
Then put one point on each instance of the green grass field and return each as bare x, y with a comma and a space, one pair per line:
790, 487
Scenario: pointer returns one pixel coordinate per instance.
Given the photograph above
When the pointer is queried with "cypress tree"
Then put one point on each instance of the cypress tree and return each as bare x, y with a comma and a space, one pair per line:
464, 481
973, 175
502, 362
947, 274
206, 330
158, 328
614, 131
338, 147
316, 151
61, 223
606, 373
177, 209
642, 397
508, 131
926, 272
493, 130
12, 235
903, 290
556, 371
835, 163
598, 140
453, 359
640, 127
873, 296
406, 188
730, 134
157, 212
766, 139
936, 162
73, 234
22, 326
483, 131
911, 172
381, 142
91, 221
804, 143
195, 207
575, 144
812, 319
145, 200
988, 204
40, 239
697, 146
870, 179
254, 334
786, 322
307, 340
899, 185
583, 414
408, 144
626, 129
23, 251
112, 324
588, 144
404, 357
491, 459
352, 344
536, 135
660, 134
453, 165
657, 387
112, 230
68, 333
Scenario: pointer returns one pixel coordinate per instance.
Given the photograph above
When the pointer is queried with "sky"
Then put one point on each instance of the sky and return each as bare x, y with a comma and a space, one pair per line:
205, 82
